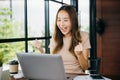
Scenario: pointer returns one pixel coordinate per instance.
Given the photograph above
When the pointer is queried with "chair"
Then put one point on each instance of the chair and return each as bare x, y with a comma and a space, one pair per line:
94, 65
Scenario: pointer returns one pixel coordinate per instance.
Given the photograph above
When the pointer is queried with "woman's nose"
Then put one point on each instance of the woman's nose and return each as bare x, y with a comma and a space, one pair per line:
61, 23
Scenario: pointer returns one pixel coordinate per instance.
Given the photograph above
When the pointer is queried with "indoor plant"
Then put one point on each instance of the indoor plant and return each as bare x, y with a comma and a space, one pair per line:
1, 59
1, 63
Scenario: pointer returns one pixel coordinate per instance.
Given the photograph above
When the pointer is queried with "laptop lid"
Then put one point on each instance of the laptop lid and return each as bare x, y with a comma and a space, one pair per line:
42, 66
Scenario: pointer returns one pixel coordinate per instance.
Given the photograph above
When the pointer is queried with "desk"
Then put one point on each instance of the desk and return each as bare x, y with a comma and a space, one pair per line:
6, 76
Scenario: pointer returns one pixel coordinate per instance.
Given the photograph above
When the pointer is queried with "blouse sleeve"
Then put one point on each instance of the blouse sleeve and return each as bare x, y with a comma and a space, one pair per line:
85, 40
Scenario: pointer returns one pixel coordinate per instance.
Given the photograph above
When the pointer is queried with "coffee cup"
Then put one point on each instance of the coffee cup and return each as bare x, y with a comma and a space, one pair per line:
13, 67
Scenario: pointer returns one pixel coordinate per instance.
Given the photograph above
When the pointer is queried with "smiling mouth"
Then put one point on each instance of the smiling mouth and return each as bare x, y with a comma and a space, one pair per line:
63, 29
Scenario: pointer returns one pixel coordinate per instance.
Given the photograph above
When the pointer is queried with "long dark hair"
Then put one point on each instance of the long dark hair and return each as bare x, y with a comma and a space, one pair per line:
75, 32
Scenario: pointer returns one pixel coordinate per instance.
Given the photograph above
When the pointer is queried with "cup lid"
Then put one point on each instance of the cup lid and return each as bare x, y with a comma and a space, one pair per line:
13, 62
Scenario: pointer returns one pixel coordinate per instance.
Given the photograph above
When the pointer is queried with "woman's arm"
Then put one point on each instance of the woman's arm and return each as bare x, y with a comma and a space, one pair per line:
82, 57
38, 45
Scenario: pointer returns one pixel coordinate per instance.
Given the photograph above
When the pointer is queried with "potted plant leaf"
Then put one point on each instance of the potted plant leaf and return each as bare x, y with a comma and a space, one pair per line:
1, 59
1, 63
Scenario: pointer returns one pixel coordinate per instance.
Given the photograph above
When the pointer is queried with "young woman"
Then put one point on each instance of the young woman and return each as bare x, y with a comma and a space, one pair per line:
68, 41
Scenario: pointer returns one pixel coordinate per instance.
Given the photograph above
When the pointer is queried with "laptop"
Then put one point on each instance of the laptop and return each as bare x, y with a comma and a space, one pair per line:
36, 66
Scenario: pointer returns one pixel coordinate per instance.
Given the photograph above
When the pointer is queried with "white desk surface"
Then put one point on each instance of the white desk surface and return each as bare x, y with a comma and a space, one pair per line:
87, 77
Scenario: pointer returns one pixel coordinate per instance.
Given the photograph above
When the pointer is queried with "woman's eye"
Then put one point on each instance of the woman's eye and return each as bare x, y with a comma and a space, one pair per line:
65, 20
58, 20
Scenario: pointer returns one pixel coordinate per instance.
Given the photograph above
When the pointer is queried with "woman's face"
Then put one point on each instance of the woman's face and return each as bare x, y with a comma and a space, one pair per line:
64, 23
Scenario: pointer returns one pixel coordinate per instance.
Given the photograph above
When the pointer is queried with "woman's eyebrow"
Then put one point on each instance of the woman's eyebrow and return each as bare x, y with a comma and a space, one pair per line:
66, 18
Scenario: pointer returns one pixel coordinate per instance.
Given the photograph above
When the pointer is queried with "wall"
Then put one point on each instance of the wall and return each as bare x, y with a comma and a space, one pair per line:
108, 44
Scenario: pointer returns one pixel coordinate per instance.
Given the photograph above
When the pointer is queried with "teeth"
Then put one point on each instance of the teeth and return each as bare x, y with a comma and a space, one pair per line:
64, 29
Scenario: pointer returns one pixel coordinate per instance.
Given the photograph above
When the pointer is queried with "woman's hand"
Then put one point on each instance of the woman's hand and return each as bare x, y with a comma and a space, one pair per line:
38, 45
78, 49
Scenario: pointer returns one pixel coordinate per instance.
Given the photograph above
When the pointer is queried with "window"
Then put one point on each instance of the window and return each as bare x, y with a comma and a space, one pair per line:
53, 12
83, 14
12, 19
66, 1
35, 18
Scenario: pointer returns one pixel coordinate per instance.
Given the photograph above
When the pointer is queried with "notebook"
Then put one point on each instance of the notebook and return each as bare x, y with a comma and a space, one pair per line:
42, 66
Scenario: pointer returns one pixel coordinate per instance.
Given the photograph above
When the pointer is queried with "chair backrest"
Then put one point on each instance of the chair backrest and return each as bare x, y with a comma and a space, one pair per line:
94, 66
